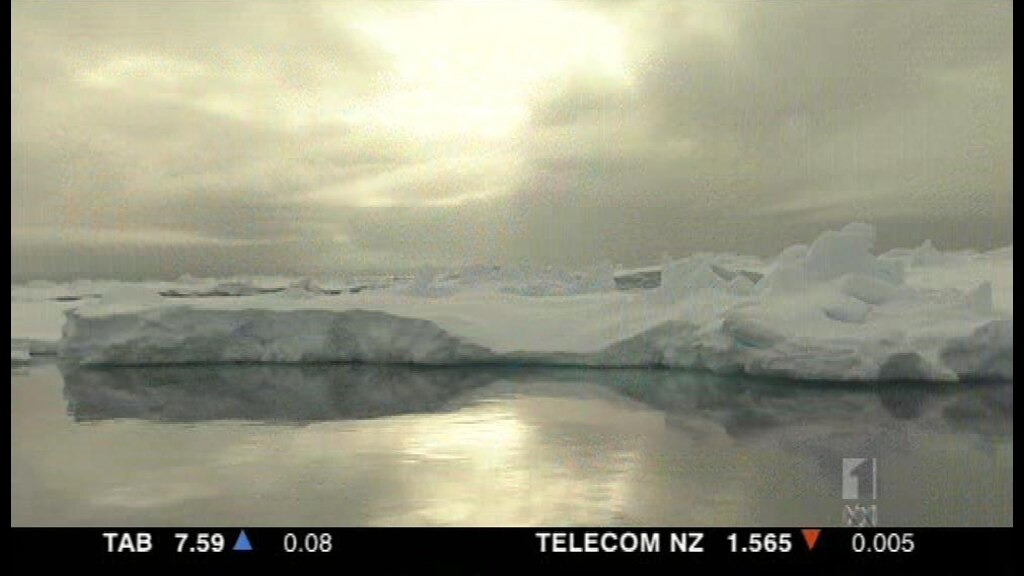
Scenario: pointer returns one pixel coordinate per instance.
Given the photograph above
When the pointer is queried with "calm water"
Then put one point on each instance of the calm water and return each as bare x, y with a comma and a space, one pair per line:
343, 445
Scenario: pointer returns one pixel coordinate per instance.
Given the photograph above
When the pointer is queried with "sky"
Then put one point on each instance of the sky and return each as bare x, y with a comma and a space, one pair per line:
151, 139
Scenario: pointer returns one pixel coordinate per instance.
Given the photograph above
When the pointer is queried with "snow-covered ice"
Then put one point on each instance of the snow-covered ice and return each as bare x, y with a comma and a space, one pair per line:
20, 357
827, 310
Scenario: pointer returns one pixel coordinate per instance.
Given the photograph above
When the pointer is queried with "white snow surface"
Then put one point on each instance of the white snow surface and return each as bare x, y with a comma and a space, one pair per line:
19, 357
831, 310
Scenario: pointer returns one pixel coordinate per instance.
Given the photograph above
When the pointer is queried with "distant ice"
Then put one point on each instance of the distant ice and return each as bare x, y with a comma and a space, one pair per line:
20, 357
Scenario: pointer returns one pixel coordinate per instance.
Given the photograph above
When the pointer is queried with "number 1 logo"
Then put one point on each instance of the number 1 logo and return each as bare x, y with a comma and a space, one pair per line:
859, 479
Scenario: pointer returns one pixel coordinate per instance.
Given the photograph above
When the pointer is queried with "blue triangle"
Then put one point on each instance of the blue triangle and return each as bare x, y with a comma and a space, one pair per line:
242, 544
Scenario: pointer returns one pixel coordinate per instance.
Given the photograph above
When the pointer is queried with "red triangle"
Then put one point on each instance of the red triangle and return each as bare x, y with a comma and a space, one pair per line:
811, 537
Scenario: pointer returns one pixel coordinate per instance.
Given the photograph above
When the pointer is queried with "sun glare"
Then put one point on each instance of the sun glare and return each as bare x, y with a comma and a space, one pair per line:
472, 69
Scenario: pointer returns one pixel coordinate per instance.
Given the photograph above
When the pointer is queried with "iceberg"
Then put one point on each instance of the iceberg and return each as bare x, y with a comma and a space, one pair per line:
20, 357
220, 289
829, 310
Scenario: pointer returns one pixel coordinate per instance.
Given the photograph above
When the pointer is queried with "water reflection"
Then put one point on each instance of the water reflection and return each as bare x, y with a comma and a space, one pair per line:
263, 393
376, 445
743, 407
747, 407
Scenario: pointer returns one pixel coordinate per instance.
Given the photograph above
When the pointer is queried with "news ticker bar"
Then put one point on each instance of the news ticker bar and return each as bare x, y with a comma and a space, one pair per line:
501, 549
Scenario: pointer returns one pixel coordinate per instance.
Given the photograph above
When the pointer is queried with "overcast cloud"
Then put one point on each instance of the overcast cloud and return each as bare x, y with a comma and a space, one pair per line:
157, 138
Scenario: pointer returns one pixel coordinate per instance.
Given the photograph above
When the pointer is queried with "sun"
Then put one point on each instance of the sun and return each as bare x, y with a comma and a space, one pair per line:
473, 69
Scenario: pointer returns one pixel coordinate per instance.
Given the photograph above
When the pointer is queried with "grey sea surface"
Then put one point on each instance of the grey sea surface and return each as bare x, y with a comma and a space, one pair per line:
357, 445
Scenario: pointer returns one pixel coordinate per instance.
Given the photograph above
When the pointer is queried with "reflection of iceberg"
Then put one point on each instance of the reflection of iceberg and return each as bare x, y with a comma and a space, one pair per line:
747, 408
824, 423
263, 393
741, 407
990, 412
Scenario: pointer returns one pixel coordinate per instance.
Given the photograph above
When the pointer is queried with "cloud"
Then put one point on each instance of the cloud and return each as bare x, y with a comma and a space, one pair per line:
318, 135
750, 118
